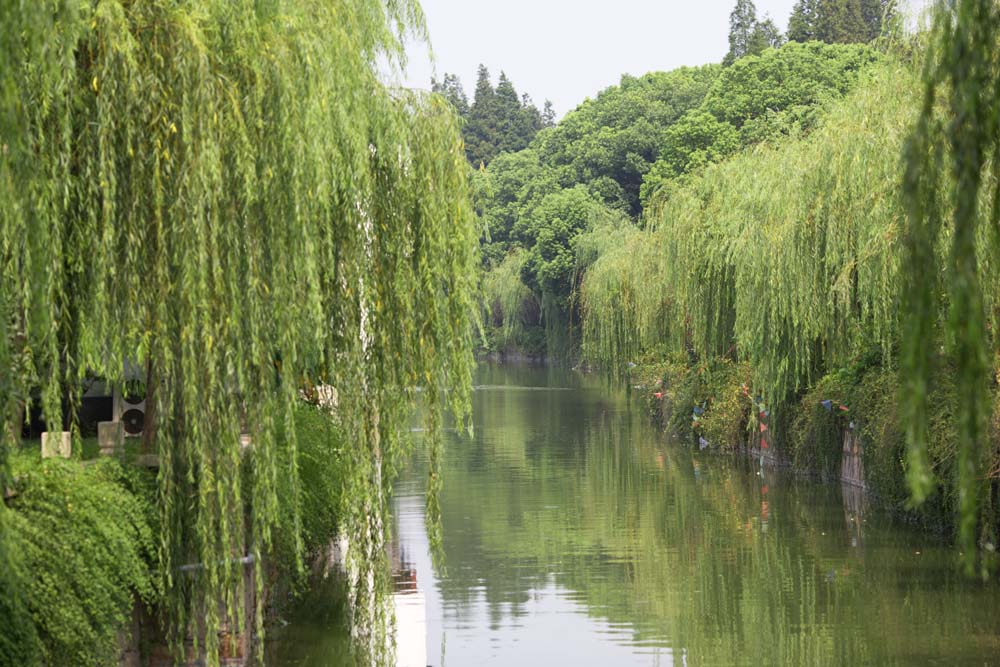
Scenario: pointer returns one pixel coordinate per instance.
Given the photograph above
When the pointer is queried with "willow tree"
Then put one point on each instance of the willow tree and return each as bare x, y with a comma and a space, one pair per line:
224, 193
784, 256
953, 196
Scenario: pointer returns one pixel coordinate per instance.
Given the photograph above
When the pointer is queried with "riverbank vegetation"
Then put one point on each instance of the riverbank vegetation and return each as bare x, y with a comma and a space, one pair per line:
82, 541
224, 195
810, 249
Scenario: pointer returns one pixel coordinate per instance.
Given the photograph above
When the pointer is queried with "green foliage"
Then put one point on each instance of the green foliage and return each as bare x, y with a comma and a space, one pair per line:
19, 643
450, 88
842, 21
802, 22
513, 187
748, 35
695, 141
508, 305
628, 144
224, 193
623, 298
575, 175
317, 496
758, 98
548, 231
872, 393
321, 444
498, 121
619, 134
952, 188
718, 390
792, 80
785, 251
789, 251
84, 537
788, 256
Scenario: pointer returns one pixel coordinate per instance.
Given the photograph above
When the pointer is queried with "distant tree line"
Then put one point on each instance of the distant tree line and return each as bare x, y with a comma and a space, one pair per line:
830, 21
498, 120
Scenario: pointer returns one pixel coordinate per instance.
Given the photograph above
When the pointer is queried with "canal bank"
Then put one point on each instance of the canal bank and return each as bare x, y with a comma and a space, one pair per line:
847, 427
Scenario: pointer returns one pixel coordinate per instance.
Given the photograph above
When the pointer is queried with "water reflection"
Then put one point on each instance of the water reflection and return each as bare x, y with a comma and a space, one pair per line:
574, 533
408, 597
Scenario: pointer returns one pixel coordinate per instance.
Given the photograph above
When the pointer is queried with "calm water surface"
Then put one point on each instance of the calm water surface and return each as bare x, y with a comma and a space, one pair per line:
576, 534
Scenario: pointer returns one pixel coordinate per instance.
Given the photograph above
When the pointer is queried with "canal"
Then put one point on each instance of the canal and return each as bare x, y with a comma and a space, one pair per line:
576, 533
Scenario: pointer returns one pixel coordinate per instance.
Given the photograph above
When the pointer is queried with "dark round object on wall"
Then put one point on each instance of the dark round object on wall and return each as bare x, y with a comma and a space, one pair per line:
132, 421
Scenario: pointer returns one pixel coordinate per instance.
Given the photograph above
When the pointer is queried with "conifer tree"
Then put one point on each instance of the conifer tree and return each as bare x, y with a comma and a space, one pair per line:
742, 22
802, 23
765, 35
451, 89
548, 115
480, 140
499, 121
841, 21
876, 14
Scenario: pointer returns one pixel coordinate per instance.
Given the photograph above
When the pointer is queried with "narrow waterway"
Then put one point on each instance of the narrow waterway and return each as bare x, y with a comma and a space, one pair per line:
577, 534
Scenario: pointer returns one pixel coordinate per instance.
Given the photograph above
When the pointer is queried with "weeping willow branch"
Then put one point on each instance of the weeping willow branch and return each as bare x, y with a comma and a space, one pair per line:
963, 71
224, 191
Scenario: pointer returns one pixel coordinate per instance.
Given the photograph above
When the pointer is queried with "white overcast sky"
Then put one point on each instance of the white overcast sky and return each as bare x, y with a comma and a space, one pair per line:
568, 50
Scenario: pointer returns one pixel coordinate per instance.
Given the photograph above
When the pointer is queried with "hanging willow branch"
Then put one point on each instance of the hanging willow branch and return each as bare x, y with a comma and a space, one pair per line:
223, 193
963, 71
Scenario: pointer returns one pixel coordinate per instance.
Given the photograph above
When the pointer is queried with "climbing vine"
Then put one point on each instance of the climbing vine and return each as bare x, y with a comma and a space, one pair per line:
225, 195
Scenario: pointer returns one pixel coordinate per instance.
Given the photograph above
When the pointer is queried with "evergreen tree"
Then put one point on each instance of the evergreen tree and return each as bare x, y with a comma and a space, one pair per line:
742, 22
802, 23
529, 122
480, 138
451, 89
498, 121
507, 100
507, 114
765, 35
841, 21
876, 14
548, 115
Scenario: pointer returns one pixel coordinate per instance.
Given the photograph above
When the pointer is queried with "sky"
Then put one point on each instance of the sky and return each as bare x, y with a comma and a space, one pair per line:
568, 50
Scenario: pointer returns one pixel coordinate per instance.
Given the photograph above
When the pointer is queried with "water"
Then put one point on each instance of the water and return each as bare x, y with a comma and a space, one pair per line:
576, 534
